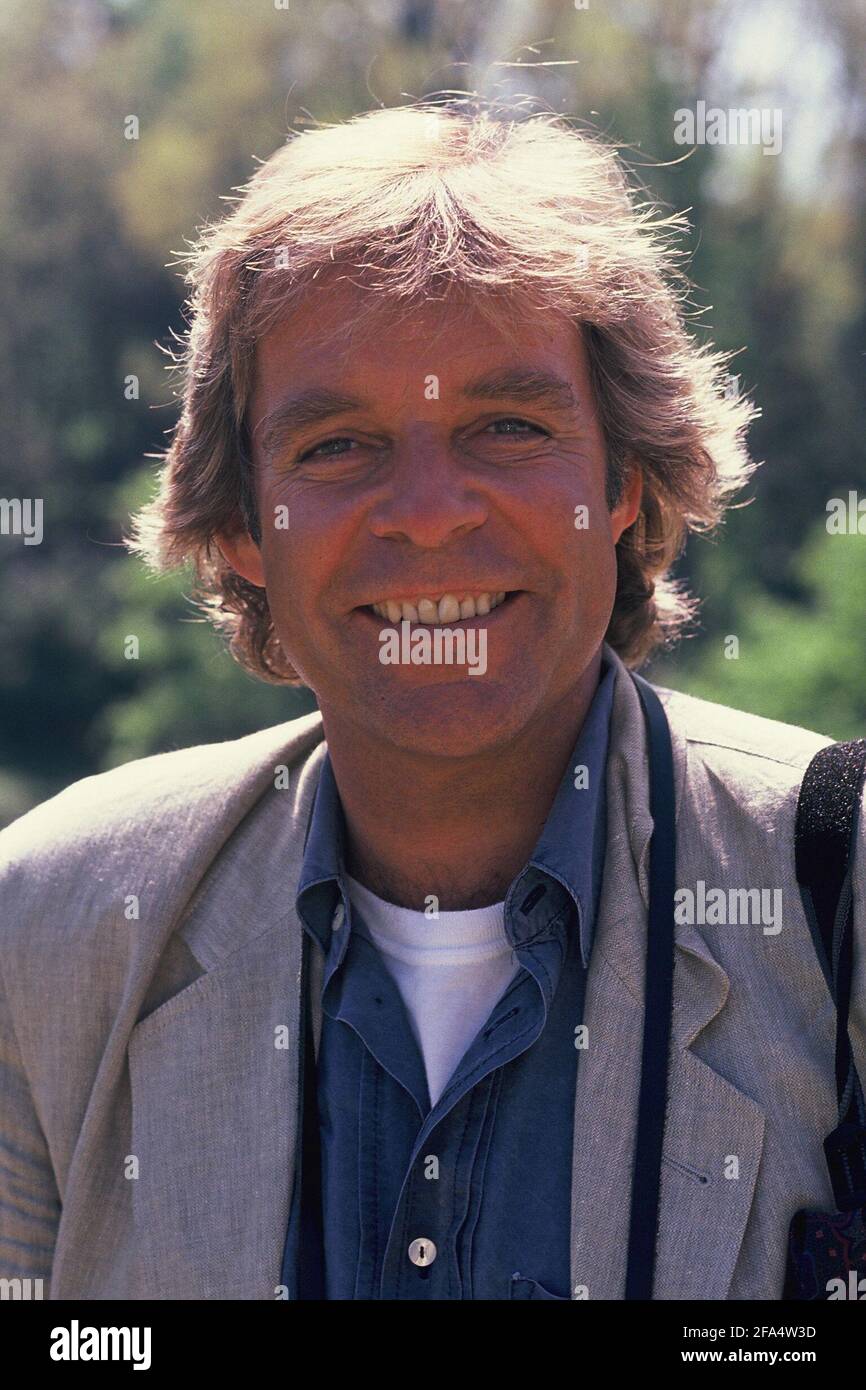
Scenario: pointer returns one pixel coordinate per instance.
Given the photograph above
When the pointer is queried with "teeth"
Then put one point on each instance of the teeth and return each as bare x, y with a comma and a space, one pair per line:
448, 609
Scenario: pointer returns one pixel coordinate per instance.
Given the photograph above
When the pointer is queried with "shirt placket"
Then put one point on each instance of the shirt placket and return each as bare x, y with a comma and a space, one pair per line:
425, 1256
422, 1257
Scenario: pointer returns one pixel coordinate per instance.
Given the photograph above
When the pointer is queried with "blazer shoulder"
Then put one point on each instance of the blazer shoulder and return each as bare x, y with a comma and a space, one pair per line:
703, 722
738, 781
95, 884
166, 795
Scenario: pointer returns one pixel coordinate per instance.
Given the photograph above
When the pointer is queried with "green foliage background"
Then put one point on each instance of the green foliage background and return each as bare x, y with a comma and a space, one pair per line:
90, 224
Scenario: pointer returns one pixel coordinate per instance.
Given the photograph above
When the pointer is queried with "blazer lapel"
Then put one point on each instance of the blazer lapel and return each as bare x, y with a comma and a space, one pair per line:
713, 1132
213, 1071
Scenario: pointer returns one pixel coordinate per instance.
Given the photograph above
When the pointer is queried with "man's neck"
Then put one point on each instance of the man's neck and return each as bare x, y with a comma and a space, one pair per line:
455, 830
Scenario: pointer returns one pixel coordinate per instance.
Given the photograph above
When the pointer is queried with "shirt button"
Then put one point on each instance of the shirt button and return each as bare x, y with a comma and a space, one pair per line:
422, 1251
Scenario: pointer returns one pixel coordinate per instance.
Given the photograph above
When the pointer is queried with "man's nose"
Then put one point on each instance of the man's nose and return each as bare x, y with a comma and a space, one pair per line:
429, 497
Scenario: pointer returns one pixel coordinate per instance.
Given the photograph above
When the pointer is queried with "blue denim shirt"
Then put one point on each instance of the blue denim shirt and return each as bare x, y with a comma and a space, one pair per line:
480, 1186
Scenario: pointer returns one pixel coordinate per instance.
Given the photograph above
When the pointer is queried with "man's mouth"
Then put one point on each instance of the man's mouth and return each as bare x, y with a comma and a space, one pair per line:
451, 607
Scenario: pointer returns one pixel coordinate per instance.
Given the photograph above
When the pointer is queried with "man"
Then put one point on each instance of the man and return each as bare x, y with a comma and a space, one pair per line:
443, 435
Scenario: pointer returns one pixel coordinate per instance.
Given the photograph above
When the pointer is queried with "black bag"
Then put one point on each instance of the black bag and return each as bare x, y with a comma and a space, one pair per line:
827, 1250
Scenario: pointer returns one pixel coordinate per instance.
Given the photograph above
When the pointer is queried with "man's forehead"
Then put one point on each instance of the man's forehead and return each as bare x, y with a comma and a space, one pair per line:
340, 318
345, 343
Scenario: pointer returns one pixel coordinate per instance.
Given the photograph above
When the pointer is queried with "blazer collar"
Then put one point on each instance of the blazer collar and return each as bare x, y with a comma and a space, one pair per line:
704, 984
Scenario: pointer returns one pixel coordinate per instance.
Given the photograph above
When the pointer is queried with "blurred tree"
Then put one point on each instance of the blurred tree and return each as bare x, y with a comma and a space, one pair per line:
798, 662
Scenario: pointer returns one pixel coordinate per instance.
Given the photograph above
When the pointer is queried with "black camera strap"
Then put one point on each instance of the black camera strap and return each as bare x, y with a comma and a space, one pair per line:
658, 999
646, 1179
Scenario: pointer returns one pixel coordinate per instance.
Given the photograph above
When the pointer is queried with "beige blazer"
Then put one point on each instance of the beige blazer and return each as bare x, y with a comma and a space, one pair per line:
149, 961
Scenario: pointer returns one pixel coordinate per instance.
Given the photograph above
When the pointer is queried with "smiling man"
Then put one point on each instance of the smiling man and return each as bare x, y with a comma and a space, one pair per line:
353, 1008
434, 480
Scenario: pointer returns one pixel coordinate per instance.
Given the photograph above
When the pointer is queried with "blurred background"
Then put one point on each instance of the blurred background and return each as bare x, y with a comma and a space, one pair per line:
91, 221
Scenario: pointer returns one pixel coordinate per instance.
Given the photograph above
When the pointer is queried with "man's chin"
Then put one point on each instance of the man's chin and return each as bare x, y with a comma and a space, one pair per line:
457, 718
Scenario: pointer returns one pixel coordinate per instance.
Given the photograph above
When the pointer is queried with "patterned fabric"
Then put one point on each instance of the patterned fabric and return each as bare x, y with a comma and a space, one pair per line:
826, 1256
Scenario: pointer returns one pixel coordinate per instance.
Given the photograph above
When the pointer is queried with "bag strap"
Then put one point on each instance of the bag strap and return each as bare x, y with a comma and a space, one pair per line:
824, 838
658, 999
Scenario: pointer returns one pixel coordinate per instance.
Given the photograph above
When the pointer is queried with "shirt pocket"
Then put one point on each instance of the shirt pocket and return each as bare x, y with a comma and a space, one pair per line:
524, 1288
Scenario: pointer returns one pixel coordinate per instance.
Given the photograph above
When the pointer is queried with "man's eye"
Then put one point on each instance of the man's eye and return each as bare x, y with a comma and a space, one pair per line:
329, 448
508, 426
514, 425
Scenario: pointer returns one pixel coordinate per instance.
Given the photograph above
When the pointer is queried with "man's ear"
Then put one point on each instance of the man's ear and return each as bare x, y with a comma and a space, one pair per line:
627, 509
241, 552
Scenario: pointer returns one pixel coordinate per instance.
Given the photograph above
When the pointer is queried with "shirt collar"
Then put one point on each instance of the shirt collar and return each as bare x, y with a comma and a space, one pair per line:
570, 849
321, 885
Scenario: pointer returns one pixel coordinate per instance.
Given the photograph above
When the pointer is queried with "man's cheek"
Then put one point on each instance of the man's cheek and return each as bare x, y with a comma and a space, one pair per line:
585, 545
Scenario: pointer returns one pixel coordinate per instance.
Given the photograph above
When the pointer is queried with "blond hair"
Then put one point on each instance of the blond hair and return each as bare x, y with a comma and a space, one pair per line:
411, 202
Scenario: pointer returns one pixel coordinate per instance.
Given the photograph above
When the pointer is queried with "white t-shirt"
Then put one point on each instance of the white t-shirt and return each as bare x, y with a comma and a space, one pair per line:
450, 970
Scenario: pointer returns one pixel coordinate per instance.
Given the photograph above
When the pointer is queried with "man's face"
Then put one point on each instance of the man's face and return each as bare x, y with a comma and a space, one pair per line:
432, 456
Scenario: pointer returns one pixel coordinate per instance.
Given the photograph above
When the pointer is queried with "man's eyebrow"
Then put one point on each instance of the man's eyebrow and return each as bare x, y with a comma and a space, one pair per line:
319, 404
530, 385
297, 413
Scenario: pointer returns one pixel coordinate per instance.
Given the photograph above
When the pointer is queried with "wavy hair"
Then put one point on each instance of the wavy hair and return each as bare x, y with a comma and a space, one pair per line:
410, 202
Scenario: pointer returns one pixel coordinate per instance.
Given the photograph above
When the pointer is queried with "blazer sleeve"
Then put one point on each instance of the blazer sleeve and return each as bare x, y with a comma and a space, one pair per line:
29, 1199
